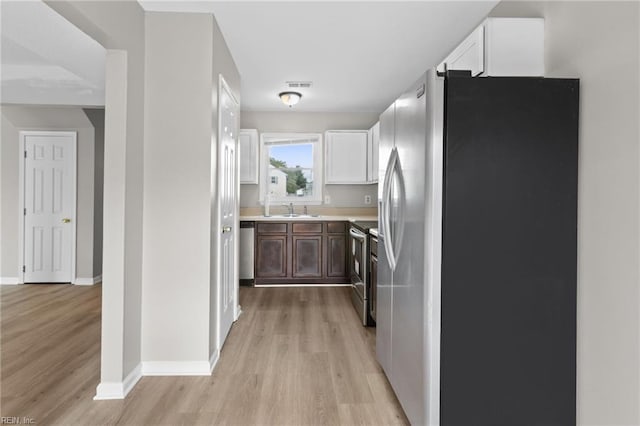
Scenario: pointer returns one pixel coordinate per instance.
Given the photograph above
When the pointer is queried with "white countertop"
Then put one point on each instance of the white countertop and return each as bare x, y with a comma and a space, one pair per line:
329, 218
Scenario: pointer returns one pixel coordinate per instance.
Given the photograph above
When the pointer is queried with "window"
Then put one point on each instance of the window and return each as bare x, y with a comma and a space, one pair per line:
291, 168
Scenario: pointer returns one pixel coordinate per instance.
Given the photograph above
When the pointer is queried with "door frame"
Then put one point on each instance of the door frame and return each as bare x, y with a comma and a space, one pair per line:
21, 197
223, 85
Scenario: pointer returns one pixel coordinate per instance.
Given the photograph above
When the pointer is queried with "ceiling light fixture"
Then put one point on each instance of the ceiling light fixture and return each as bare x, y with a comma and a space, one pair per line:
290, 98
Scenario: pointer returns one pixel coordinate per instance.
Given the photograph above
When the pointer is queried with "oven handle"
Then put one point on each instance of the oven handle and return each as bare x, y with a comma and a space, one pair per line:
356, 234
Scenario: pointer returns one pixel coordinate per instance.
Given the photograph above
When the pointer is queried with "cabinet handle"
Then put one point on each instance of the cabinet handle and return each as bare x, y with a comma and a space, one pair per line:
226, 229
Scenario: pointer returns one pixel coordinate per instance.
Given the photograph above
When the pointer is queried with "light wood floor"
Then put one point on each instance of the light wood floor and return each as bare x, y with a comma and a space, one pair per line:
296, 356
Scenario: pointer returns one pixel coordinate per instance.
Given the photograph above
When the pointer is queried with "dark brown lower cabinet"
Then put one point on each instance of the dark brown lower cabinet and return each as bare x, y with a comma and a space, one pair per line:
301, 253
337, 259
307, 256
271, 259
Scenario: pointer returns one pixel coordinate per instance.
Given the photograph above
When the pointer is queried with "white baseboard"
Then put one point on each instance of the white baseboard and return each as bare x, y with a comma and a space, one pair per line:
215, 356
118, 390
88, 281
9, 281
302, 285
131, 379
176, 368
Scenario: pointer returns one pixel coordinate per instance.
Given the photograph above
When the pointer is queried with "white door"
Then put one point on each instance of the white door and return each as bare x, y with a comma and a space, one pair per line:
49, 206
228, 124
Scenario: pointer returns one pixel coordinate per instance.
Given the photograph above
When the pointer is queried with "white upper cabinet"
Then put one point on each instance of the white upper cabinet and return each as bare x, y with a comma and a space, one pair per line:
249, 155
501, 47
372, 153
346, 156
469, 55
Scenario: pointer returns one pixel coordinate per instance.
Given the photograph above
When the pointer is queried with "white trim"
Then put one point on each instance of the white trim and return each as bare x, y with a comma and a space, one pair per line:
119, 390
21, 201
132, 378
302, 285
215, 356
10, 281
176, 368
109, 390
316, 139
88, 281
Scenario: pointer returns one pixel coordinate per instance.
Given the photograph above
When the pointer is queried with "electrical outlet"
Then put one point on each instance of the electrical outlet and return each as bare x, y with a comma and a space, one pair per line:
327, 199
367, 199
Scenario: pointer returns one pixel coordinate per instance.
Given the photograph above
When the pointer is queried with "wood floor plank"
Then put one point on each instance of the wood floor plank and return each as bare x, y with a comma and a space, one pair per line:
296, 356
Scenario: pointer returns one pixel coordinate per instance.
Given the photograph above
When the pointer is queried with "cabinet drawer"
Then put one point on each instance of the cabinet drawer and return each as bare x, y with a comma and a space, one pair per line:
272, 228
374, 246
336, 227
307, 228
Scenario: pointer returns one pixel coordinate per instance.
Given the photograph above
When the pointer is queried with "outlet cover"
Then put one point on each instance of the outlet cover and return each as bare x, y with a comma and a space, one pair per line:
367, 199
327, 199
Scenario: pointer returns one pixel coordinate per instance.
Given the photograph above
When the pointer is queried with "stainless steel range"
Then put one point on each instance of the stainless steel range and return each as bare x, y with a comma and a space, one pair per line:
359, 267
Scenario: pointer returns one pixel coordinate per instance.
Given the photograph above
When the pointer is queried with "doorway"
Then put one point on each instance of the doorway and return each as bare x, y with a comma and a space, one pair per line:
48, 206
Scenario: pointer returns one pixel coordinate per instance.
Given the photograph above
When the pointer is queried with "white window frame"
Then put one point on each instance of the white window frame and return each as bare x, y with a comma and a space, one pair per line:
318, 182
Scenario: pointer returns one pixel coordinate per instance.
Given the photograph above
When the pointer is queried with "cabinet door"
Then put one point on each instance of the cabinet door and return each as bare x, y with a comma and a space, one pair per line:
307, 256
249, 155
346, 157
372, 153
514, 47
468, 56
337, 256
271, 256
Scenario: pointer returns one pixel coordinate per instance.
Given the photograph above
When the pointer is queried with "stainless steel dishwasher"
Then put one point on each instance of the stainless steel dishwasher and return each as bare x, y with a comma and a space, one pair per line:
245, 263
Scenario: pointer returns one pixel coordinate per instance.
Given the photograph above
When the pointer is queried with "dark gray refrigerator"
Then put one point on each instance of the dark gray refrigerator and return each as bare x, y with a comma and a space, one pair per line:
476, 321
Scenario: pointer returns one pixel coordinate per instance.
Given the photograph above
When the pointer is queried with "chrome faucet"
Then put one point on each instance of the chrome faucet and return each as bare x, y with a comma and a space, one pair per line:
290, 207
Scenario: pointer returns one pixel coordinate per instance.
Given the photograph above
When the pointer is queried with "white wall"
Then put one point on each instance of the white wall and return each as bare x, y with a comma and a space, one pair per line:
9, 233
312, 122
17, 118
178, 115
119, 27
96, 116
599, 43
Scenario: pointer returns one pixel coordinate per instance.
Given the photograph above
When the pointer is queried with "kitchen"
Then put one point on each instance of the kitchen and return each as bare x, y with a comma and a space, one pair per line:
555, 11
290, 249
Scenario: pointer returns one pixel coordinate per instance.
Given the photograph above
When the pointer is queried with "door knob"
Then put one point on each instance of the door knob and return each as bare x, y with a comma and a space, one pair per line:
66, 220
226, 229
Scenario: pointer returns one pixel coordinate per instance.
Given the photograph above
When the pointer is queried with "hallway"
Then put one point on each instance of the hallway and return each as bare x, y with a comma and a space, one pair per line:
295, 356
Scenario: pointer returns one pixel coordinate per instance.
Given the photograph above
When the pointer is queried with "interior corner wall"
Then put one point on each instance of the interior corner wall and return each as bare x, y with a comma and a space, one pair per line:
18, 118
177, 173
96, 116
313, 122
9, 234
222, 64
599, 42
119, 27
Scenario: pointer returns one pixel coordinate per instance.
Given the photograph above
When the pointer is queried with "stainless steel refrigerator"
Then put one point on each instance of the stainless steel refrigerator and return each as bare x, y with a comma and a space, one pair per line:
476, 318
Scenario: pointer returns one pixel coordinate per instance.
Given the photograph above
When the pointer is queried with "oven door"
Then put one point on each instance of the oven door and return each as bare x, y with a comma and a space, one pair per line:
358, 267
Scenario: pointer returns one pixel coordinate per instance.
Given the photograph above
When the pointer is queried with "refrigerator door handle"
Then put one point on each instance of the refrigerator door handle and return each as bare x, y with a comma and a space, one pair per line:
398, 230
386, 212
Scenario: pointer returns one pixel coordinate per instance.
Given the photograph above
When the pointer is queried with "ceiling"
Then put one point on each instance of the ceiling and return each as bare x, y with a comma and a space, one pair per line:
359, 55
46, 60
